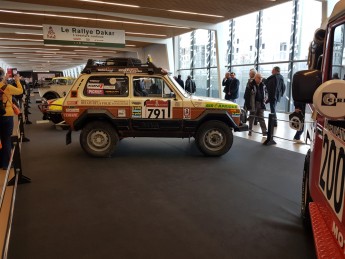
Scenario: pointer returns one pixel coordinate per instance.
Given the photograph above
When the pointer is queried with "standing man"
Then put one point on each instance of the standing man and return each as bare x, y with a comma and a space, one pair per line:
234, 87
276, 89
226, 83
190, 85
180, 81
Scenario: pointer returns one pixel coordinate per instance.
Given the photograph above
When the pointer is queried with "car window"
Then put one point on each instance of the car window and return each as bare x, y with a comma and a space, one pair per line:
151, 87
338, 61
106, 86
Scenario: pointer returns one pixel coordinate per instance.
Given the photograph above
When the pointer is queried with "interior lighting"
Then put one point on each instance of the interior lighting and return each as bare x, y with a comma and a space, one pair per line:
19, 39
129, 45
26, 48
108, 3
92, 19
148, 34
20, 24
28, 33
201, 14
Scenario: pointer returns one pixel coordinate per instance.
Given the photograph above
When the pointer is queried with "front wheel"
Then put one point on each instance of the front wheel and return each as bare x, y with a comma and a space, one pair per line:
214, 138
306, 198
99, 139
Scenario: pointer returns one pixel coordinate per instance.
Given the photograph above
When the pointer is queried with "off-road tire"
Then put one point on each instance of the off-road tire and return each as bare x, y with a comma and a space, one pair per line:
214, 138
99, 139
306, 198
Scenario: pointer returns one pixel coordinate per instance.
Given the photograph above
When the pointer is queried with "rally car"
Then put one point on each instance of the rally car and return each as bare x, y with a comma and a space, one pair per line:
52, 109
56, 88
120, 98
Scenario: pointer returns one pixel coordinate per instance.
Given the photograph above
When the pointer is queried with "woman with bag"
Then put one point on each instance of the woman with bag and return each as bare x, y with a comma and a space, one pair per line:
6, 120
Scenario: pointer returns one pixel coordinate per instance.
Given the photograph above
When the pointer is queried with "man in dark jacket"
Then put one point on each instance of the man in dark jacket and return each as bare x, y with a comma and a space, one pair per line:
234, 87
254, 101
190, 85
226, 83
180, 81
275, 89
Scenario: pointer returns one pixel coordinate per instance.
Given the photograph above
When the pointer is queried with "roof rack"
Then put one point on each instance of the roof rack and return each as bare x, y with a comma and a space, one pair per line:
124, 65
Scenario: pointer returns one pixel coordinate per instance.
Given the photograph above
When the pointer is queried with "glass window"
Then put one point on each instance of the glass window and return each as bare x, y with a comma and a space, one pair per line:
201, 48
275, 28
107, 86
214, 89
244, 30
200, 79
151, 87
338, 59
308, 23
185, 47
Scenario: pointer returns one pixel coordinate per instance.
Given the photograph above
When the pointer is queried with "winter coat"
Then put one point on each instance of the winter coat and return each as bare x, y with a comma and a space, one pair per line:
254, 93
190, 86
234, 87
275, 87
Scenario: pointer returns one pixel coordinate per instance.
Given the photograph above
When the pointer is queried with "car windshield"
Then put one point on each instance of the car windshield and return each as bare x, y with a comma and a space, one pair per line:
178, 87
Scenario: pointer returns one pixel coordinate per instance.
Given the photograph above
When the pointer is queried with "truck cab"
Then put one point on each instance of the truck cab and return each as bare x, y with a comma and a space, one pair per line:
323, 188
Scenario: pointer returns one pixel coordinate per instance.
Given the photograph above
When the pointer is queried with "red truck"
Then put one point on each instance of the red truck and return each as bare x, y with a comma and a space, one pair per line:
323, 188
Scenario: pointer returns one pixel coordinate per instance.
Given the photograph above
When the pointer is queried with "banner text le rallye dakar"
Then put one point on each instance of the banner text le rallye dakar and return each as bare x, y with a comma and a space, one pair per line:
323, 188
120, 98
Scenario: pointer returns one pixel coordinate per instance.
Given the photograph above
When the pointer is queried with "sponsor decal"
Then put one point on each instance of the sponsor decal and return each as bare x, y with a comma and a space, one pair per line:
136, 112
157, 109
94, 86
130, 70
70, 115
329, 99
186, 113
332, 173
72, 110
121, 113
95, 91
112, 80
221, 106
111, 87
112, 92
72, 102
104, 102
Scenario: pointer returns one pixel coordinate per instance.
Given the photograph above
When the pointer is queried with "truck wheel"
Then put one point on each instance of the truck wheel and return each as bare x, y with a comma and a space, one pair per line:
214, 138
305, 214
99, 139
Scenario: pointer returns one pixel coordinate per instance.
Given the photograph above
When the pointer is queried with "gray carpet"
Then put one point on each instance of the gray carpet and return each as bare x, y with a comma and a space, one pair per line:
157, 198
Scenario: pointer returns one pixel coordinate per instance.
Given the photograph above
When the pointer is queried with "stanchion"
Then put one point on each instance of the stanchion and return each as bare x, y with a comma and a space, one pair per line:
271, 121
21, 128
17, 164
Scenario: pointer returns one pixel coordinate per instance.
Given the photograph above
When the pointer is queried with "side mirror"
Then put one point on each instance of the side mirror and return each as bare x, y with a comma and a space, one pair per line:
304, 84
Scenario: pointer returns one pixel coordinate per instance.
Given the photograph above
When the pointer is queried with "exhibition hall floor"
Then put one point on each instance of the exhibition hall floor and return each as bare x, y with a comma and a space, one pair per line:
158, 198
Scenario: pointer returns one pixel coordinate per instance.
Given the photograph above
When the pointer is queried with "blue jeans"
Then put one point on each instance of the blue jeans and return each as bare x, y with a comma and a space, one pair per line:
6, 129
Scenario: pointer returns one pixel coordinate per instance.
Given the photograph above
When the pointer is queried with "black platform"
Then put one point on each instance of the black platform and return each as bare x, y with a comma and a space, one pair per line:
157, 198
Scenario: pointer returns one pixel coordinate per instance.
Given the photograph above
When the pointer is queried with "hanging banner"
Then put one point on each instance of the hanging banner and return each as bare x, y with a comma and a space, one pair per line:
83, 36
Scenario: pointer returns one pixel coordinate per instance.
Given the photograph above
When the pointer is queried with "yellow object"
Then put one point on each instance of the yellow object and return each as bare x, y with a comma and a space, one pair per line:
56, 105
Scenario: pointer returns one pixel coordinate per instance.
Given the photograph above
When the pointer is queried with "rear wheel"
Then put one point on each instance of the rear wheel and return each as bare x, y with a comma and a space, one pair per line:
306, 198
214, 138
99, 139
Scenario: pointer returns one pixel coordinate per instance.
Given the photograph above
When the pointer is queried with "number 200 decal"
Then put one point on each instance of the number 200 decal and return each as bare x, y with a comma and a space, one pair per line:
332, 174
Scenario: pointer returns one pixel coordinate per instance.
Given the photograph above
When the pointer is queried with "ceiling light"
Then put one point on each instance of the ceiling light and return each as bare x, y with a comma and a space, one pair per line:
93, 19
28, 33
201, 14
117, 4
19, 39
20, 24
26, 48
130, 45
148, 34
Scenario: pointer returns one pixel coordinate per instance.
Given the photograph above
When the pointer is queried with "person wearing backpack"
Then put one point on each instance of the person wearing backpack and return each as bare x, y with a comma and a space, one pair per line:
6, 120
